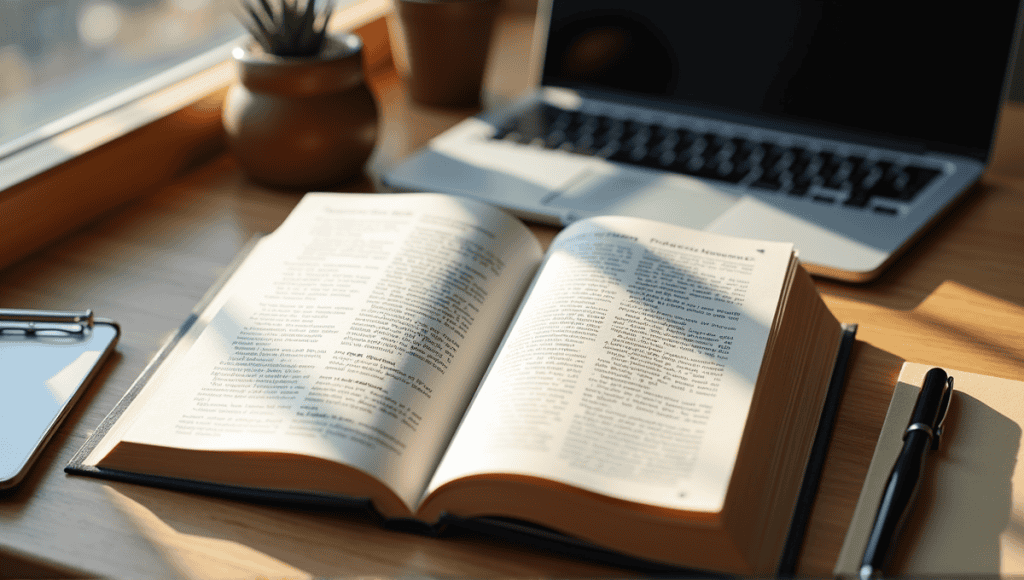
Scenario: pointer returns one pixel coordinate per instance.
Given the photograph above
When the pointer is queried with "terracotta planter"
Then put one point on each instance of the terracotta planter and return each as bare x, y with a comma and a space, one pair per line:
446, 45
301, 123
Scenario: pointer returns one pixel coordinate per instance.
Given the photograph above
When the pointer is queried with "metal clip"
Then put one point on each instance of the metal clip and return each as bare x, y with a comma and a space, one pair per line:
947, 398
32, 322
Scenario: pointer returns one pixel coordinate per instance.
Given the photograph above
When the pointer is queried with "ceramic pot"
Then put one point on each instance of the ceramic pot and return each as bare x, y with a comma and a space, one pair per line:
301, 123
446, 46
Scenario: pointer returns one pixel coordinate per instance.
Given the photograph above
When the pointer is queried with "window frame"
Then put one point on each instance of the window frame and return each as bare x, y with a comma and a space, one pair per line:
69, 172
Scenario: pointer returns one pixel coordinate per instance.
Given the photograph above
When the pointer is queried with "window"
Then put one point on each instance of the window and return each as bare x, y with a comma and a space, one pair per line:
61, 61
92, 115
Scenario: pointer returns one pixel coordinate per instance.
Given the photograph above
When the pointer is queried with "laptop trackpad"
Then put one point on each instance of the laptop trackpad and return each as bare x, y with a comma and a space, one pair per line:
817, 244
665, 197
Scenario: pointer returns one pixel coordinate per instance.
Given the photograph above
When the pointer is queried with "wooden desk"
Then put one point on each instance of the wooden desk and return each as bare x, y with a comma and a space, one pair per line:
957, 298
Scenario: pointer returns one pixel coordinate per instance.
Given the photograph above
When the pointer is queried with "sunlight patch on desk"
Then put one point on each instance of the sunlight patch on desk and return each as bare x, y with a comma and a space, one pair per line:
1013, 540
979, 328
194, 556
973, 323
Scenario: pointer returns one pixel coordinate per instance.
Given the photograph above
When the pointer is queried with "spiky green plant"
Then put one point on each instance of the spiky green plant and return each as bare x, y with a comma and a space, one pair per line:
287, 27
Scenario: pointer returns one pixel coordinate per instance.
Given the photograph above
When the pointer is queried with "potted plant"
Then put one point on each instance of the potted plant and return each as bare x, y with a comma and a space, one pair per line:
300, 115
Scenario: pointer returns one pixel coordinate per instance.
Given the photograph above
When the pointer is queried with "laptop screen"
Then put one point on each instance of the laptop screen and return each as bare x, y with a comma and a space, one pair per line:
924, 72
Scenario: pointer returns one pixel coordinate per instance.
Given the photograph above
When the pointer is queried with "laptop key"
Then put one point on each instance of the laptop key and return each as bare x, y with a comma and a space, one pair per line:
686, 140
858, 198
694, 165
713, 144
628, 154
770, 178
665, 138
658, 157
902, 185
725, 170
801, 161
830, 163
801, 184
919, 178
772, 155
637, 133
839, 178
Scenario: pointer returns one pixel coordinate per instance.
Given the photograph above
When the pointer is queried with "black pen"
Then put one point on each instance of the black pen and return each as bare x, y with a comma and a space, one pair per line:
923, 432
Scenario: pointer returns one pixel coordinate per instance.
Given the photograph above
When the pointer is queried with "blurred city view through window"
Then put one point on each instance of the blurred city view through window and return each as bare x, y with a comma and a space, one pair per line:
58, 56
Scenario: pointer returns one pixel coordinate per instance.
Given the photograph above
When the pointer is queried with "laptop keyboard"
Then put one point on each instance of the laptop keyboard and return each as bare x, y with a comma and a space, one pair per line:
821, 176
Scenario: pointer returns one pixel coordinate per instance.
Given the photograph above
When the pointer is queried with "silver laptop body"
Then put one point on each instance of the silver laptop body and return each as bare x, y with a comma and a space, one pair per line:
844, 127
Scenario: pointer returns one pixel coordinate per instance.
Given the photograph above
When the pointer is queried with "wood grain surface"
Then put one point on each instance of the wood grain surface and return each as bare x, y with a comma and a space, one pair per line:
956, 298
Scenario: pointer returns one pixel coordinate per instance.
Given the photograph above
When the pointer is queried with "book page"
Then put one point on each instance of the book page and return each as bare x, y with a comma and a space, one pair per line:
357, 332
630, 368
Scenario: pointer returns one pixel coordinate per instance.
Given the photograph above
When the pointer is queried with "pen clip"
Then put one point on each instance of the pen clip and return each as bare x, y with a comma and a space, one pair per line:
947, 398
31, 322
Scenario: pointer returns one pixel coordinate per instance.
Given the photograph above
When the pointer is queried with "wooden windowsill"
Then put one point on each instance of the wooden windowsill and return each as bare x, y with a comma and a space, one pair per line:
56, 185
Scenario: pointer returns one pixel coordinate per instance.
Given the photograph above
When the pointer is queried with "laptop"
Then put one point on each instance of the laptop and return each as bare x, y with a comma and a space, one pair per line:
845, 127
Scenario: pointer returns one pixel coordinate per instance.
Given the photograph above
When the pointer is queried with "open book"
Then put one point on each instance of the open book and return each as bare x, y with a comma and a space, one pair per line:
648, 389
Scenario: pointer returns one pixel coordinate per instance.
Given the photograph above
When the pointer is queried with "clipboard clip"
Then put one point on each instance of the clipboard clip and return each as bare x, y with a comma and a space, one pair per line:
32, 322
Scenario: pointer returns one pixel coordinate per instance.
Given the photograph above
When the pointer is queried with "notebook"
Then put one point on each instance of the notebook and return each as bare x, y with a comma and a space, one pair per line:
965, 520
844, 127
